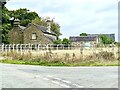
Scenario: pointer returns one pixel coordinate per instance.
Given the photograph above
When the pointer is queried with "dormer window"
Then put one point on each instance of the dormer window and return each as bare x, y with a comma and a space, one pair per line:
34, 36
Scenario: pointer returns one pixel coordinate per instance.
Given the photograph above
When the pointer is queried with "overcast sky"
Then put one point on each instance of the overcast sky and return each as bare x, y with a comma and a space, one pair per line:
75, 16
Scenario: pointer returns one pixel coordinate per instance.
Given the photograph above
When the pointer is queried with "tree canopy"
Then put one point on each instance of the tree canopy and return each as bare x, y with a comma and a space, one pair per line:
83, 34
105, 39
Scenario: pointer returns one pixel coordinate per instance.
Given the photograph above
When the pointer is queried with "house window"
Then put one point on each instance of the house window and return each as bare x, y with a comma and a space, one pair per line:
34, 36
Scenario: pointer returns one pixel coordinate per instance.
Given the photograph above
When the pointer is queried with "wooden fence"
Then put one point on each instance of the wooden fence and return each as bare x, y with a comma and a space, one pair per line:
41, 47
35, 47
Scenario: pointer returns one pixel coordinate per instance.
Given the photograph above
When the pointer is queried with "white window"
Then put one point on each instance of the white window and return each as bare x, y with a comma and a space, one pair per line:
34, 36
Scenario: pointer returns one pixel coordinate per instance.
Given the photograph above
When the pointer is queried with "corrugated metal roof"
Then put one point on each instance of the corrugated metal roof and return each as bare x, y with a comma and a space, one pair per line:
82, 38
112, 36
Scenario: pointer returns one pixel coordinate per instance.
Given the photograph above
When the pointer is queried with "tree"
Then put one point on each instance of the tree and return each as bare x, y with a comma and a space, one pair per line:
25, 22
66, 41
37, 20
83, 34
105, 39
24, 15
5, 29
57, 41
55, 28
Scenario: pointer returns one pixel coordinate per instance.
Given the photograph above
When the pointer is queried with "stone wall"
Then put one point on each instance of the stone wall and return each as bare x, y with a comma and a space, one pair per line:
41, 39
15, 36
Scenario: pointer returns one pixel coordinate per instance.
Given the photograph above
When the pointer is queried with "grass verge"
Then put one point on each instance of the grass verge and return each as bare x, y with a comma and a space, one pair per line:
47, 63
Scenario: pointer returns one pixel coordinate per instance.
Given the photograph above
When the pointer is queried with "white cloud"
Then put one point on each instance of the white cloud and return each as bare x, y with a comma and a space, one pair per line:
75, 16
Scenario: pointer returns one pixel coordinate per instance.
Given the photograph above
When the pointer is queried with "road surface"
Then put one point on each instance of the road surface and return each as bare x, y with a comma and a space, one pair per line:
29, 76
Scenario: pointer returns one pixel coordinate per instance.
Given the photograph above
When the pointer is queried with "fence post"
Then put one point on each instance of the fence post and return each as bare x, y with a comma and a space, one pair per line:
21, 49
25, 48
13, 47
63, 46
9, 47
57, 46
31, 47
47, 47
17, 47
81, 50
6, 49
2, 47
38, 47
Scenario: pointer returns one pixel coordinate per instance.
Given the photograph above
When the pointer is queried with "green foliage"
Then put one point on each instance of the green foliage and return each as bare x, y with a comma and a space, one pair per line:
5, 16
106, 39
57, 41
83, 34
24, 15
55, 28
5, 29
37, 20
66, 41
25, 22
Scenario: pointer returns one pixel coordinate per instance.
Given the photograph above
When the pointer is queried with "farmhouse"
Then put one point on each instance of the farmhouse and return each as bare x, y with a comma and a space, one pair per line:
32, 34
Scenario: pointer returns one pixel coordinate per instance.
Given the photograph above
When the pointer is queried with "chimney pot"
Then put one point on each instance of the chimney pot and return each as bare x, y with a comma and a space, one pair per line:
16, 22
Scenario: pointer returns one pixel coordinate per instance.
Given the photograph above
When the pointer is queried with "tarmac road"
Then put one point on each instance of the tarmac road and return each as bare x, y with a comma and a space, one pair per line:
29, 76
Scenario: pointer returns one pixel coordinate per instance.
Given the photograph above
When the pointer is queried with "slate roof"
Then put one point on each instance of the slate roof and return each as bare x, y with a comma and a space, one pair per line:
51, 38
22, 27
82, 38
44, 29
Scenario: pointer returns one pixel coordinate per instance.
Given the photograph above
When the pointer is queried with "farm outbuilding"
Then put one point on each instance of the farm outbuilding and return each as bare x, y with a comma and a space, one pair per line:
77, 40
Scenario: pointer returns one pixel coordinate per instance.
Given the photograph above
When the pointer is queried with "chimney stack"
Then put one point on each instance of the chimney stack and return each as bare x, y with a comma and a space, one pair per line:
16, 22
48, 20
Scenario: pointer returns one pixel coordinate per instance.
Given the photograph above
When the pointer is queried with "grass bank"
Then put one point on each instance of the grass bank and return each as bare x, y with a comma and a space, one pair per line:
47, 63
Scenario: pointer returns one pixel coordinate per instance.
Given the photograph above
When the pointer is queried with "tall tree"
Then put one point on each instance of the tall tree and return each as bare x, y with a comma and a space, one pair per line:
37, 20
56, 28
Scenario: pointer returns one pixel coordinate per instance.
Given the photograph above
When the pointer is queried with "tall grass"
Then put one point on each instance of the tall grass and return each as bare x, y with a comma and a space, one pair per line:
62, 58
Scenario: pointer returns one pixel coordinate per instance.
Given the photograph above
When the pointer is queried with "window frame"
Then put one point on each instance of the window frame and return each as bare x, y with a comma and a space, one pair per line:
34, 36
